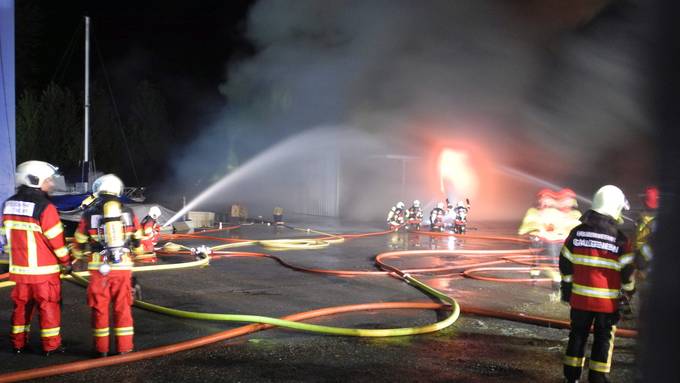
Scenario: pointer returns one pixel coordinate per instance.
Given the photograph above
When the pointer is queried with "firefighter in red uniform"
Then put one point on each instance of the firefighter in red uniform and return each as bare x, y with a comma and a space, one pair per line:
36, 245
151, 233
596, 264
105, 233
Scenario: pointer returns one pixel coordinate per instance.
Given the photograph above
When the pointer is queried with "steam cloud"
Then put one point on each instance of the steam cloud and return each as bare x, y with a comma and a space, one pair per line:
404, 77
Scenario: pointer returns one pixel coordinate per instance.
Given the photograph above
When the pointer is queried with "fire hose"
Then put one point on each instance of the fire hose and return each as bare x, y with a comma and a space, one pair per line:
293, 320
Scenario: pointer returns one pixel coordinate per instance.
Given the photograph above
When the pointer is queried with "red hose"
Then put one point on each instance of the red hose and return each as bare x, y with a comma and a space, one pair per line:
83, 365
515, 256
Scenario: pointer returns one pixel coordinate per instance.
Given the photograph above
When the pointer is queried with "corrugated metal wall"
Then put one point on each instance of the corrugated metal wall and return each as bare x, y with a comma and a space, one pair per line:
318, 193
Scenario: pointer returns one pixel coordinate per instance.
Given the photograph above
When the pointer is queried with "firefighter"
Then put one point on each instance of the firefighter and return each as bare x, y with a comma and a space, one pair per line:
106, 233
461, 213
35, 234
414, 215
437, 217
596, 264
395, 217
151, 233
645, 227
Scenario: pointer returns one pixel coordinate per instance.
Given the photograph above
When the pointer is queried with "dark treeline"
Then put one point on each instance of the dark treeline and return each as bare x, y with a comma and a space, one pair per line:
155, 70
50, 127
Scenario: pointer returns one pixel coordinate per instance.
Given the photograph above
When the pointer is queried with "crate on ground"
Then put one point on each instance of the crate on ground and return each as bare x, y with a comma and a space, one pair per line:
202, 218
238, 213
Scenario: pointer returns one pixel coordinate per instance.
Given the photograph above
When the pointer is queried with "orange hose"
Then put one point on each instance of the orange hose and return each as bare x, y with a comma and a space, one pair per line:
516, 256
474, 236
470, 273
541, 321
202, 341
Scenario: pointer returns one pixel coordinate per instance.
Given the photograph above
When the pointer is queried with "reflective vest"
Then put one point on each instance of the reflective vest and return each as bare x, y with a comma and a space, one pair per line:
151, 229
105, 225
35, 237
597, 259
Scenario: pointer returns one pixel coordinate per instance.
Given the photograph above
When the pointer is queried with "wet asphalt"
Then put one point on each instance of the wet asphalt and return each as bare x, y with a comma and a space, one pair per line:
474, 349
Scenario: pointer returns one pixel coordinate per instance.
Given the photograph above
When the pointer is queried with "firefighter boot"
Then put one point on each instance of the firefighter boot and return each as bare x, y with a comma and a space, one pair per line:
597, 377
59, 350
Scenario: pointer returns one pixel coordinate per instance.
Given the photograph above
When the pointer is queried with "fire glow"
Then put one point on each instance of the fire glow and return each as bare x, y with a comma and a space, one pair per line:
456, 176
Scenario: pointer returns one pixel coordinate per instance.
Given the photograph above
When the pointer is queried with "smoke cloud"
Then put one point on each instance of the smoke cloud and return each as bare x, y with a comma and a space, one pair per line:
394, 82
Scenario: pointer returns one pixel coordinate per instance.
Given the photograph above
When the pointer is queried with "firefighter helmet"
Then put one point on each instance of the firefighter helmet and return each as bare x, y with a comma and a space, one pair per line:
400, 205
108, 184
609, 200
652, 198
154, 212
34, 173
416, 203
460, 204
440, 205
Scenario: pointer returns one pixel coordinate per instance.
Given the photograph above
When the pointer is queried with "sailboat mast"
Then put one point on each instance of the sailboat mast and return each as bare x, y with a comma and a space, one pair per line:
86, 145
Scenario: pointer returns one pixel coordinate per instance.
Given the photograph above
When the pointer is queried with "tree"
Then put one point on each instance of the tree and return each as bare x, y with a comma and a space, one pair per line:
48, 127
60, 140
28, 121
147, 130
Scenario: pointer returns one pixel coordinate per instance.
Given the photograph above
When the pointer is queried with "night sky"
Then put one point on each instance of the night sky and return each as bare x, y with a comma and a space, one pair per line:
183, 47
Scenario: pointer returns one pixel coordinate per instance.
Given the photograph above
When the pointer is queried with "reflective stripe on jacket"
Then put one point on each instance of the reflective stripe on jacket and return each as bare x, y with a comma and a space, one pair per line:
35, 237
597, 259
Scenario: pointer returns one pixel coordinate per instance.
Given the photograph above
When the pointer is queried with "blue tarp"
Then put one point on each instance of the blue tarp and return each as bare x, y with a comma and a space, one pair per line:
7, 101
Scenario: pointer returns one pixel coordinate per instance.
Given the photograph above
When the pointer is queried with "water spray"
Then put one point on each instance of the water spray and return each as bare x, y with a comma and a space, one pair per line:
544, 183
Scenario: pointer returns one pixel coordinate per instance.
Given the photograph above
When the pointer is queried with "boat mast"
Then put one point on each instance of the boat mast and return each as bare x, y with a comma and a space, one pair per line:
86, 152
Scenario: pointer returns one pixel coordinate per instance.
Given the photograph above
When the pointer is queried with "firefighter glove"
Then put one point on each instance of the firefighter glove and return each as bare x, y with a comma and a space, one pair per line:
565, 289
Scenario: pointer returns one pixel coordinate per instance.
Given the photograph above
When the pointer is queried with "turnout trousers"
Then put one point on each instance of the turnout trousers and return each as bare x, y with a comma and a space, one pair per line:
604, 327
111, 289
46, 297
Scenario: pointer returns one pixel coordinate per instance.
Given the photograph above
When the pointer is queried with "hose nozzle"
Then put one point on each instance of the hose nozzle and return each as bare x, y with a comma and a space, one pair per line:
202, 251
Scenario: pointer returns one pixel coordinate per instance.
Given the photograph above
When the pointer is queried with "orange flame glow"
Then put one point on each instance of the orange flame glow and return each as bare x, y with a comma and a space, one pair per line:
456, 175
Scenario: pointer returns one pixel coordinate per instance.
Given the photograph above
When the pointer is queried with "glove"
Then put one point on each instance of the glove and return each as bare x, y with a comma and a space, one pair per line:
565, 289
139, 250
67, 269
627, 294
625, 306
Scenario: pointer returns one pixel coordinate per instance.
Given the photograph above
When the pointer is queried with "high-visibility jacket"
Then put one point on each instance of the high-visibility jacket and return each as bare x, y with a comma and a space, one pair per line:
92, 233
596, 262
643, 236
549, 224
151, 232
414, 213
35, 237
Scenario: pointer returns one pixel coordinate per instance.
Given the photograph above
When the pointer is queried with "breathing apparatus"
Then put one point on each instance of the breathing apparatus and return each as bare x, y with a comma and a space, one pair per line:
112, 236
111, 228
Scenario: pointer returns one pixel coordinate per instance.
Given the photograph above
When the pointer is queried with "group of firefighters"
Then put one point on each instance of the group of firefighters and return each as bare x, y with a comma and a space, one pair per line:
597, 263
412, 217
109, 237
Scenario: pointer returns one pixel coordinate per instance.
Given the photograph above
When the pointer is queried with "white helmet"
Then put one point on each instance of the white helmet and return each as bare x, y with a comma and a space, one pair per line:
34, 173
400, 205
460, 204
108, 184
154, 212
440, 205
609, 200
416, 203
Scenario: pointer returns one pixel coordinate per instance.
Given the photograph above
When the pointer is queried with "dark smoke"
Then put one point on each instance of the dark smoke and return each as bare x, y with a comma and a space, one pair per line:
416, 76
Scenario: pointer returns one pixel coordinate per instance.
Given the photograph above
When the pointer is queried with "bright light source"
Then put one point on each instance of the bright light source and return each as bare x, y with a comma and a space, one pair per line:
456, 175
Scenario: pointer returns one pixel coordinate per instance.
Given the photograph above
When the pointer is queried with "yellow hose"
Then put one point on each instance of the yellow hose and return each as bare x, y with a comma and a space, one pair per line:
330, 330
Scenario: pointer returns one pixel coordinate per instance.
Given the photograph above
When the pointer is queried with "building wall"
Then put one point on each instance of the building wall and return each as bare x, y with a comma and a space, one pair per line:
7, 100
